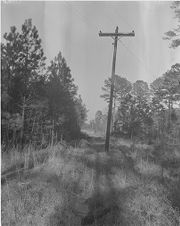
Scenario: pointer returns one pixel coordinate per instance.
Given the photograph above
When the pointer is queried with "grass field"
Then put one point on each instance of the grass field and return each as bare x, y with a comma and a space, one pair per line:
62, 185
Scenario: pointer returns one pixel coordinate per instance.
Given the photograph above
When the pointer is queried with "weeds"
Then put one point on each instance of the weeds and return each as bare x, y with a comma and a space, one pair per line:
61, 180
151, 206
146, 167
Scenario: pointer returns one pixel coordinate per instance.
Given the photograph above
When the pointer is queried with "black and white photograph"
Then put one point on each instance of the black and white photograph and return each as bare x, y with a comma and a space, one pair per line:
90, 113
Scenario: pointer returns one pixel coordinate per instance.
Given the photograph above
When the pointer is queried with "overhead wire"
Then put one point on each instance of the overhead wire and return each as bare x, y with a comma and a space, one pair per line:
125, 21
139, 59
84, 19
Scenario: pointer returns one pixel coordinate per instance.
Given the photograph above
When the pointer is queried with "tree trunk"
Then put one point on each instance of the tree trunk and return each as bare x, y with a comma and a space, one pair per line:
22, 118
169, 113
52, 135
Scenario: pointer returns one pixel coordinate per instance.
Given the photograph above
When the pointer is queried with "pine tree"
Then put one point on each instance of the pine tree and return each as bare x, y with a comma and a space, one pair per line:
23, 60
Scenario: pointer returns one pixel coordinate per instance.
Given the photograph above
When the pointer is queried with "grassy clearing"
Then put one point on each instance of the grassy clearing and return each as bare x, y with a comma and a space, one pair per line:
148, 168
44, 196
150, 206
28, 202
85, 186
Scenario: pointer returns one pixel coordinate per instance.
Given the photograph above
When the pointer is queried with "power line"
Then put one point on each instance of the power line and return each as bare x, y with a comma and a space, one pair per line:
140, 60
128, 24
77, 12
85, 19
115, 36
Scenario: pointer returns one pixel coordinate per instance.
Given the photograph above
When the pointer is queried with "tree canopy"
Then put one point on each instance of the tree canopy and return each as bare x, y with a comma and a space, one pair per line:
142, 110
39, 102
173, 35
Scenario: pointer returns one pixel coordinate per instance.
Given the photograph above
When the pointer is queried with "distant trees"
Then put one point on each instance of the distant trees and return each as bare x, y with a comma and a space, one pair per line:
39, 103
121, 87
81, 111
98, 125
141, 90
23, 61
131, 102
63, 104
144, 111
135, 115
166, 90
148, 111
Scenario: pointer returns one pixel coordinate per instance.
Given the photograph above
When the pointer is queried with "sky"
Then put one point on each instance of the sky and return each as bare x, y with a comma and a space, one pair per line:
73, 28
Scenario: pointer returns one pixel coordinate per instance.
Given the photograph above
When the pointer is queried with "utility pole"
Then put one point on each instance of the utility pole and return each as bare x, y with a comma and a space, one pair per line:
115, 38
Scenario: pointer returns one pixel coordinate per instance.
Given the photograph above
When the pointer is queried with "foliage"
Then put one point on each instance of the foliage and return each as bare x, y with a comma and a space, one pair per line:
22, 63
81, 111
166, 94
134, 114
39, 103
173, 35
167, 87
121, 87
133, 110
99, 123
61, 93
141, 90
142, 111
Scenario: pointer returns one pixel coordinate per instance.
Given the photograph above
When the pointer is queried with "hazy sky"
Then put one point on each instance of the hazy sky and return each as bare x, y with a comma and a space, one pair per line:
73, 27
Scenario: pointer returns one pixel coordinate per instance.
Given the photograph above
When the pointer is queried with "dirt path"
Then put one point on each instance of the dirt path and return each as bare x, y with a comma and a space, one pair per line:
82, 186
114, 180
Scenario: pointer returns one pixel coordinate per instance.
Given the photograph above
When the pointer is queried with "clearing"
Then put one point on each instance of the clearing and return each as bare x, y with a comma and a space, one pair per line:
61, 185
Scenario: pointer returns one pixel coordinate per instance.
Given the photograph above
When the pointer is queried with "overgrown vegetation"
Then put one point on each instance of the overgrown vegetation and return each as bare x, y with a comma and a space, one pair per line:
51, 177
61, 185
144, 112
40, 104
149, 112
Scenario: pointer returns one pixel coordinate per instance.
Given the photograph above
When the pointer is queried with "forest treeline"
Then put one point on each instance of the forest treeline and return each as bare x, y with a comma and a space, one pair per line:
141, 110
147, 111
39, 103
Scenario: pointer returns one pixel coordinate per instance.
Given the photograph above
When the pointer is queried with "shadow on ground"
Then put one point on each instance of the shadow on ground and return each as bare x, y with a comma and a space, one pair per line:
115, 181
105, 206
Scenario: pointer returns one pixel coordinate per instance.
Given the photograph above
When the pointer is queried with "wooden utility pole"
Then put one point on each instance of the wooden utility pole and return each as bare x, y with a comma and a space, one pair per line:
115, 37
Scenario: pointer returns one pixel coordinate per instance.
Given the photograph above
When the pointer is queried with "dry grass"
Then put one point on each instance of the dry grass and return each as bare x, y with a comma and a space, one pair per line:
45, 196
150, 207
148, 168
28, 203
61, 180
